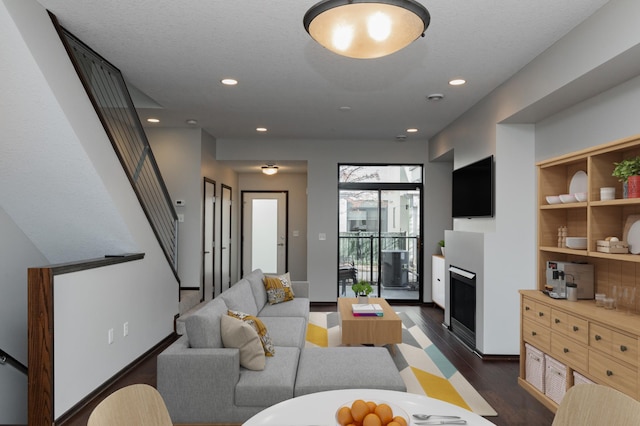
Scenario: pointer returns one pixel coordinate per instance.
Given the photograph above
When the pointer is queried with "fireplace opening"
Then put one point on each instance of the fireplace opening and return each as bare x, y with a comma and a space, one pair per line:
463, 305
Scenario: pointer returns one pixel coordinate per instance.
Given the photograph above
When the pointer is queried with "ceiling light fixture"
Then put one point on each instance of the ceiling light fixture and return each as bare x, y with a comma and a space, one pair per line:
270, 169
229, 81
152, 120
366, 29
261, 129
412, 130
457, 82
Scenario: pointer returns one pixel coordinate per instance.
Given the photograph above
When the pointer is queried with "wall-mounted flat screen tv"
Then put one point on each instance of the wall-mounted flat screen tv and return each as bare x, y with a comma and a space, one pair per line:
473, 188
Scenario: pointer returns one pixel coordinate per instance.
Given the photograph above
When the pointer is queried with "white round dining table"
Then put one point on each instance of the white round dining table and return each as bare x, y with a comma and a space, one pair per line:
319, 409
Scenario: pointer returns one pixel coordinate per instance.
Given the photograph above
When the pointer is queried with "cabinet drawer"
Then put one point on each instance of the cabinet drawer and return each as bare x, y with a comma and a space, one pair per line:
537, 312
612, 373
569, 351
536, 334
621, 346
572, 326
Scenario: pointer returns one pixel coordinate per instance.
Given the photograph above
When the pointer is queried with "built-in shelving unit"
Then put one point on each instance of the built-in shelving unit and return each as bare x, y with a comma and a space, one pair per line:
601, 345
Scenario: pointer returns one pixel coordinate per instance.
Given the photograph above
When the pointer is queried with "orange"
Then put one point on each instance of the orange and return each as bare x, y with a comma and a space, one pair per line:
394, 424
400, 420
359, 409
372, 419
385, 413
344, 416
372, 406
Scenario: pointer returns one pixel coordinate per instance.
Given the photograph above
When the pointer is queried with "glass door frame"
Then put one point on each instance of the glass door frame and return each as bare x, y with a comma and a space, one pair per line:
380, 188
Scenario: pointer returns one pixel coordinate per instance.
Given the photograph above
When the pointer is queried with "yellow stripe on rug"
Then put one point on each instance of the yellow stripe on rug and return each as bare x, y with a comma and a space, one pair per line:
317, 335
439, 388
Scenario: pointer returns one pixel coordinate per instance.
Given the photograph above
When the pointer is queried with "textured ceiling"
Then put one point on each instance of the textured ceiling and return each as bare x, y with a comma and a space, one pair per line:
176, 52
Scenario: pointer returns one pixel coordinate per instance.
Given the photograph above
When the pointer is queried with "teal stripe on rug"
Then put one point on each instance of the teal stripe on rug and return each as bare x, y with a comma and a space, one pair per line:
443, 364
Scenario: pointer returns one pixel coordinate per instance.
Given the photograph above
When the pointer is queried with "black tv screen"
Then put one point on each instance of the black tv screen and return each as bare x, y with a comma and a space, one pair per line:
473, 190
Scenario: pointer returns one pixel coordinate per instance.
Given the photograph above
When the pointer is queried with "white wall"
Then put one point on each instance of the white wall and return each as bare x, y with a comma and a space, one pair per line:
322, 181
103, 196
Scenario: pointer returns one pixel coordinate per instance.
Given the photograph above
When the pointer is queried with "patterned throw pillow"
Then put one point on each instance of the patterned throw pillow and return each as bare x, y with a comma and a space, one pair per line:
278, 288
259, 327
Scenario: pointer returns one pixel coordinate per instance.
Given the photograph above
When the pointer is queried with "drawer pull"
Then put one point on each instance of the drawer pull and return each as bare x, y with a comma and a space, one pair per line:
623, 348
609, 373
533, 333
526, 308
566, 350
557, 320
541, 314
598, 337
575, 328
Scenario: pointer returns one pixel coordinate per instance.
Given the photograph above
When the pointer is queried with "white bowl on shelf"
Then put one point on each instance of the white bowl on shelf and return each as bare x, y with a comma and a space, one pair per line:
578, 243
553, 199
568, 198
580, 196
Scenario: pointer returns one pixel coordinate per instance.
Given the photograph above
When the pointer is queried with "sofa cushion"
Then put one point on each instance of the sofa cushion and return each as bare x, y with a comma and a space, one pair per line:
278, 288
257, 287
273, 384
239, 334
259, 327
239, 297
203, 325
298, 307
286, 331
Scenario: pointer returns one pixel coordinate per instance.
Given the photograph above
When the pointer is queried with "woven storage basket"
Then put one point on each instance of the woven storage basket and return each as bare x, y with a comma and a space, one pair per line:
534, 367
555, 379
579, 379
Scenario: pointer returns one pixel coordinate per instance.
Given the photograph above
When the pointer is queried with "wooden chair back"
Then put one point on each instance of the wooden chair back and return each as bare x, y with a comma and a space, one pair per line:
587, 404
138, 404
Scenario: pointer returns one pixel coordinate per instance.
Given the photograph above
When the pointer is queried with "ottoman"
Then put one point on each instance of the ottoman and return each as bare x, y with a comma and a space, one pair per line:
323, 369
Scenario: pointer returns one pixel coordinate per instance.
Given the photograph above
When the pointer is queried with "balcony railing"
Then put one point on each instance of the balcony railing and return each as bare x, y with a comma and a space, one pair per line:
6, 359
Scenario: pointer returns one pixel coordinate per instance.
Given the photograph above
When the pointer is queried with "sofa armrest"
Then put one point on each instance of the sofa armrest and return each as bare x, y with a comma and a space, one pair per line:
197, 383
300, 288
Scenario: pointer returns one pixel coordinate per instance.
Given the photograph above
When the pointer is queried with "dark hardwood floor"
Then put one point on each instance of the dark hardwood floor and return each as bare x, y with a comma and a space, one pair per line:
496, 380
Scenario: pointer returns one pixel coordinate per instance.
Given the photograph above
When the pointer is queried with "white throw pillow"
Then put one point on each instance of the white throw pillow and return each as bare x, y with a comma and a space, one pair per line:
238, 334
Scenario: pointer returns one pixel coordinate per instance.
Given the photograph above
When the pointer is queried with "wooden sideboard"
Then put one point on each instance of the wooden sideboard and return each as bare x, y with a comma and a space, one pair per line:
602, 345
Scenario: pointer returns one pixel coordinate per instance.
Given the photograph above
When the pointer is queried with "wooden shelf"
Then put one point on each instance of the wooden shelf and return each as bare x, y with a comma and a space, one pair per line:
595, 220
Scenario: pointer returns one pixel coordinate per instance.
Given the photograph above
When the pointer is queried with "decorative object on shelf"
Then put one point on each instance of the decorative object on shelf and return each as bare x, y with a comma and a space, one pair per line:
578, 182
631, 233
578, 243
362, 289
612, 245
607, 193
441, 244
628, 171
366, 29
562, 236
553, 199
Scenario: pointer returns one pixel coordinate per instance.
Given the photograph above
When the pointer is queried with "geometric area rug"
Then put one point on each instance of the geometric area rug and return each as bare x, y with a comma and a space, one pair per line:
424, 369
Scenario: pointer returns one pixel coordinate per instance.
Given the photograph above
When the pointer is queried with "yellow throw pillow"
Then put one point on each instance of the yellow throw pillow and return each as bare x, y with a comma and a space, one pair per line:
278, 288
239, 334
259, 327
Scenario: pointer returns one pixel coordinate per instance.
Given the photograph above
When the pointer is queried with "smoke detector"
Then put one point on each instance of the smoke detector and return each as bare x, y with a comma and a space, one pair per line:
435, 97
401, 138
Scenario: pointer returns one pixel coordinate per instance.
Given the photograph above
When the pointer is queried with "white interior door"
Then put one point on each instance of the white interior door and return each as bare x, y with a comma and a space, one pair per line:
225, 238
208, 239
264, 224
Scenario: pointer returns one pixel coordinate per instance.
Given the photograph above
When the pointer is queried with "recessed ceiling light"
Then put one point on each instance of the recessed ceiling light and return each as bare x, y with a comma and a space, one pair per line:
345, 108
192, 122
261, 129
153, 120
457, 82
435, 97
229, 81
412, 130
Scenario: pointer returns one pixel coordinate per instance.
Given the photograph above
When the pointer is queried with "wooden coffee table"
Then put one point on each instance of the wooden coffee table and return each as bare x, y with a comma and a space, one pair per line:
383, 330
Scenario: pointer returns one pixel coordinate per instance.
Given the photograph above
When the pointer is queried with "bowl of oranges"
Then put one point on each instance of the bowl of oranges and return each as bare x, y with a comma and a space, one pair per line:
371, 413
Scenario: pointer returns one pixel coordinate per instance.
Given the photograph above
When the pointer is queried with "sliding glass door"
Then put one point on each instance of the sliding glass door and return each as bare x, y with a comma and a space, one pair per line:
379, 234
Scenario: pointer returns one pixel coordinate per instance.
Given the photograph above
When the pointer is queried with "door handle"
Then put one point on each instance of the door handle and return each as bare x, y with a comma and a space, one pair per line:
280, 244
207, 252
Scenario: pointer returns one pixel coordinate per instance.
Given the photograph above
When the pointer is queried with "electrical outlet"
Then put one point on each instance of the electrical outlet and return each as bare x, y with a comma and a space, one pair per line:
110, 335
125, 329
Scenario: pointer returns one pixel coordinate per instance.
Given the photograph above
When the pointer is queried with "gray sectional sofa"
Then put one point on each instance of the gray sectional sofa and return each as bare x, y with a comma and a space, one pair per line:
201, 381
